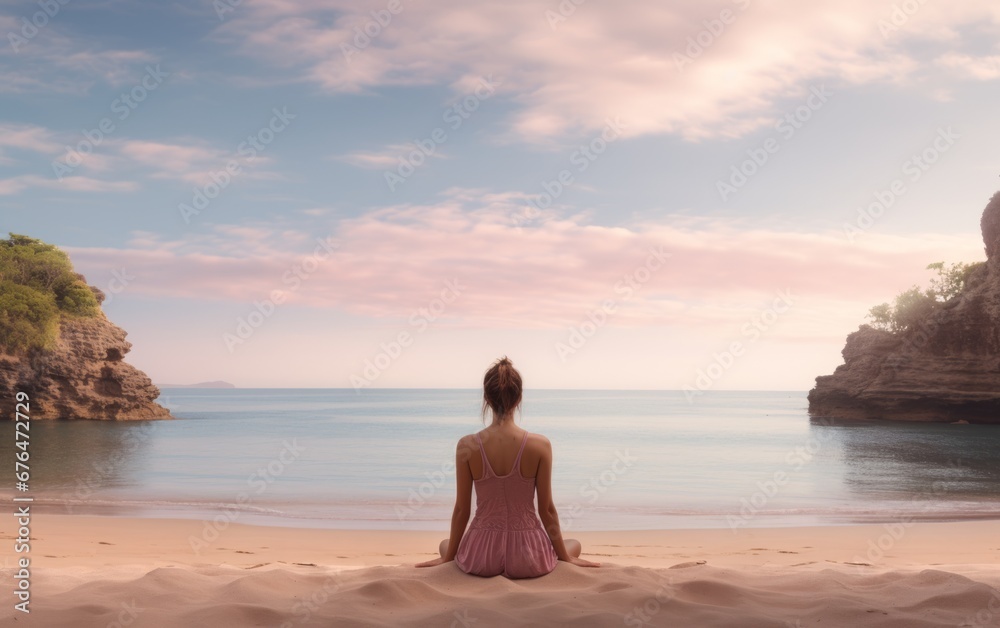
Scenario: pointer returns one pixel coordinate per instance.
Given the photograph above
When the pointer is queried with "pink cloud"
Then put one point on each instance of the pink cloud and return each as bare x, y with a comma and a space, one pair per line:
387, 157
173, 160
14, 185
60, 61
116, 67
26, 137
189, 160
390, 262
984, 68
185, 159
569, 72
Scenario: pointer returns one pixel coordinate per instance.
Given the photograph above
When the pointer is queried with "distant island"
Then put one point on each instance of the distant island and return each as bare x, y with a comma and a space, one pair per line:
932, 356
218, 384
58, 347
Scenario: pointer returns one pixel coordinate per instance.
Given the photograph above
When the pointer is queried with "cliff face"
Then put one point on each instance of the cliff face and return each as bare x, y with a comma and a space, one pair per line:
945, 369
82, 377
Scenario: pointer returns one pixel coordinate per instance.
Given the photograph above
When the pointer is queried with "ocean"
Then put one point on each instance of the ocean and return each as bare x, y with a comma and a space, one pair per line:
384, 459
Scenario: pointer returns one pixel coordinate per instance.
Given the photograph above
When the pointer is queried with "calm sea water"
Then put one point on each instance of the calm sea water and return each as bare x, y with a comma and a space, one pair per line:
623, 460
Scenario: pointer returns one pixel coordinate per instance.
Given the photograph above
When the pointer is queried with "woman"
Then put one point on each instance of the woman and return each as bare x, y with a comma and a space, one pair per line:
508, 464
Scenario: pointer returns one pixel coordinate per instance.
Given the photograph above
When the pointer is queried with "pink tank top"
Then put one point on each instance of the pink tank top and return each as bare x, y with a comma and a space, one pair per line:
505, 537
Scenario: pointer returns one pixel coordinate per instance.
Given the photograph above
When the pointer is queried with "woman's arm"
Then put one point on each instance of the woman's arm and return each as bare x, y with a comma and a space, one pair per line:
546, 507
463, 497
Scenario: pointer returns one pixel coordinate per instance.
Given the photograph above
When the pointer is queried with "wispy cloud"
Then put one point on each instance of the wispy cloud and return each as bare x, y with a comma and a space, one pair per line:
14, 185
185, 159
385, 158
26, 137
699, 70
114, 67
182, 160
983, 68
550, 274
55, 60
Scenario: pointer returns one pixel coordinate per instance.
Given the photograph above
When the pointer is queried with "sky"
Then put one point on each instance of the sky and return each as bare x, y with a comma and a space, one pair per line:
387, 193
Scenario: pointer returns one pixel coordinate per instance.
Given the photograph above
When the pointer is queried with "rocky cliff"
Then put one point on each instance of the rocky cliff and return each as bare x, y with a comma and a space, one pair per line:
82, 377
945, 369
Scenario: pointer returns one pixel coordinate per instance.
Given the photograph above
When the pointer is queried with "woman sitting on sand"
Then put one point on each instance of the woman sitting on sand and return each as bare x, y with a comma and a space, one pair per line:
506, 537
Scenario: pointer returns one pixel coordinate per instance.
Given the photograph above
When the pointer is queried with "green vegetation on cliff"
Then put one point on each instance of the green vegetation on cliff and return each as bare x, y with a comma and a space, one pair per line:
915, 305
37, 288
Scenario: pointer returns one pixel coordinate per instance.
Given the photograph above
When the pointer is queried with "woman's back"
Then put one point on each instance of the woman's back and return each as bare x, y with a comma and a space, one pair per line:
505, 536
497, 451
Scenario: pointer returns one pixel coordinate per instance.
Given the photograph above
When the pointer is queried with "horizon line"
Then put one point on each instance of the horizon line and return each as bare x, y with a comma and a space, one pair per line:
680, 390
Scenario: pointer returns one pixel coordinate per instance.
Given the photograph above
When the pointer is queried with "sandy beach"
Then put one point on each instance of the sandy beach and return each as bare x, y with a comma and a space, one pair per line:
291, 291
119, 571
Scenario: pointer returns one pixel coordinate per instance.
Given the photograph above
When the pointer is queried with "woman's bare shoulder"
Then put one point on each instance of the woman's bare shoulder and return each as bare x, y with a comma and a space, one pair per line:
466, 447
539, 441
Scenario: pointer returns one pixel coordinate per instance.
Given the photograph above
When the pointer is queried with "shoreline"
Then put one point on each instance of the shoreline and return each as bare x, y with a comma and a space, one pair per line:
88, 570
297, 515
69, 540
269, 516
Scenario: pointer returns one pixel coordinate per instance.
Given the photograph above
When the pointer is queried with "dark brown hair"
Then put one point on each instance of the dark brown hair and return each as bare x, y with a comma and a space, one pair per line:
501, 389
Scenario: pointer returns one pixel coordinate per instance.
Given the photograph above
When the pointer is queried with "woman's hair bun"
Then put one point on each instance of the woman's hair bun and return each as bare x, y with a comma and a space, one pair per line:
501, 388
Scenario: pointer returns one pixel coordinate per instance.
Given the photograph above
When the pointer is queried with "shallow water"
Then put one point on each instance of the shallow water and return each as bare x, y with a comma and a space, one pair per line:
623, 460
